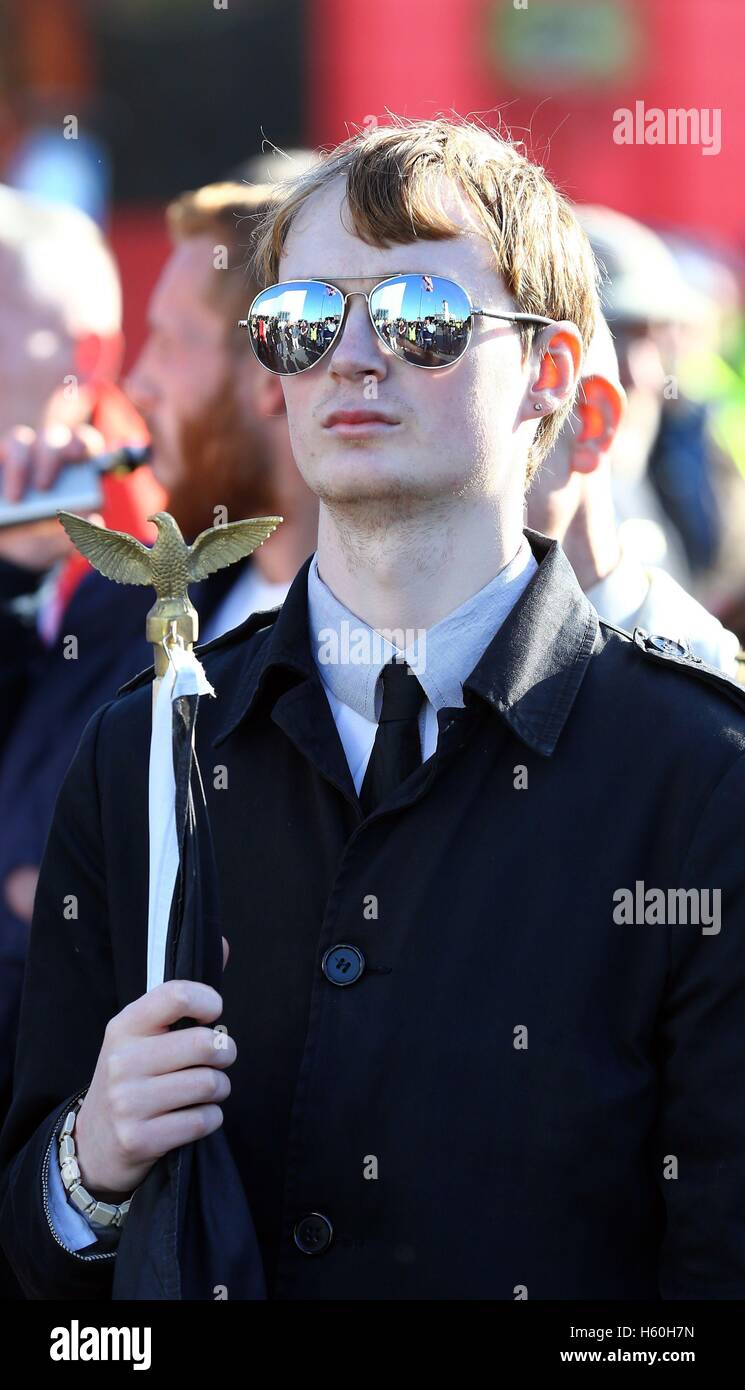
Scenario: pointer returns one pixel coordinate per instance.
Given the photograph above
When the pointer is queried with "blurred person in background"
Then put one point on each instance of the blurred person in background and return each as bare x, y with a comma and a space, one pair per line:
706, 419
219, 438
216, 421
712, 375
61, 349
571, 499
662, 479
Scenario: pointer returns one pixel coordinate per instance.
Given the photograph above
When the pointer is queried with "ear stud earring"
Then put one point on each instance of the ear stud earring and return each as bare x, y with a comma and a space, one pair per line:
538, 407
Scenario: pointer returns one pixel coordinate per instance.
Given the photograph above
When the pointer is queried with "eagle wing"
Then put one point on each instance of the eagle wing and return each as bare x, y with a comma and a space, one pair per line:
113, 553
219, 546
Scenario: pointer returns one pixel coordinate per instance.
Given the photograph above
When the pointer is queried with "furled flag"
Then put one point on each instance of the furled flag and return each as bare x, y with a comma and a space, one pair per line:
189, 1231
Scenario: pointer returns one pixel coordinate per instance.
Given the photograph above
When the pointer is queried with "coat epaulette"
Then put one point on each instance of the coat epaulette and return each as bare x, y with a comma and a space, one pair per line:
669, 652
253, 624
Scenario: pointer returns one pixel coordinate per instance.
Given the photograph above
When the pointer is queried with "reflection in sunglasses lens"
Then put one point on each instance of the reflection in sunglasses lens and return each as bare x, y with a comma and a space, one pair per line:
424, 319
291, 325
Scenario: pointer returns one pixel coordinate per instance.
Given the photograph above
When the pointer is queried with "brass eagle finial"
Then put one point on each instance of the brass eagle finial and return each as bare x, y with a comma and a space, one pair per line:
170, 565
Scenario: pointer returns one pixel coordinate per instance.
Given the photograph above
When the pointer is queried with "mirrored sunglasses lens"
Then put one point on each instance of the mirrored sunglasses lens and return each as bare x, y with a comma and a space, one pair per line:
292, 324
424, 319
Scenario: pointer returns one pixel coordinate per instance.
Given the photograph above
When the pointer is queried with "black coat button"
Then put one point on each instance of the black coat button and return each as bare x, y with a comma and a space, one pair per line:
313, 1233
342, 965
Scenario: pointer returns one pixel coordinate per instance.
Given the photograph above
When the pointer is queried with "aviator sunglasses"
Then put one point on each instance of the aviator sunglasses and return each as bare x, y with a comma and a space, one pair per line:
424, 320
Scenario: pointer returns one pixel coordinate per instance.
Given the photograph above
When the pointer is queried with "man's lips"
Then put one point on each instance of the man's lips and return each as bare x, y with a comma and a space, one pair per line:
357, 422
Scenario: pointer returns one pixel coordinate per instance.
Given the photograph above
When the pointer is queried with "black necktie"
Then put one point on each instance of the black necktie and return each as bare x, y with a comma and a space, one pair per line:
397, 748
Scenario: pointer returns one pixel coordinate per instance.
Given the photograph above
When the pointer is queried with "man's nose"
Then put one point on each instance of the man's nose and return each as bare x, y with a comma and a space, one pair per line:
358, 351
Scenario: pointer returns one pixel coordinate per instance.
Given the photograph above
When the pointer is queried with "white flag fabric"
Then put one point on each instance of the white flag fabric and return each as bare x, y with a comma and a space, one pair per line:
185, 676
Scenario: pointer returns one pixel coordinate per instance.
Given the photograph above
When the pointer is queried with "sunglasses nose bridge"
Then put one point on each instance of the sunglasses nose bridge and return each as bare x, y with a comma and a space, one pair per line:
350, 294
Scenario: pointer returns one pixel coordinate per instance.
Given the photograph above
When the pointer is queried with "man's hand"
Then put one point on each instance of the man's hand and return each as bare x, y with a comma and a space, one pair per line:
30, 460
153, 1089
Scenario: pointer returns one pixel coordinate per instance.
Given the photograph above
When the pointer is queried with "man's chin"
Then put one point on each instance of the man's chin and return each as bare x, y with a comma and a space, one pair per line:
364, 476
356, 490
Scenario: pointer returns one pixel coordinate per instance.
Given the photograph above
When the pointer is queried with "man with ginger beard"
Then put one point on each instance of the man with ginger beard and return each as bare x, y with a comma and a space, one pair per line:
217, 422
219, 458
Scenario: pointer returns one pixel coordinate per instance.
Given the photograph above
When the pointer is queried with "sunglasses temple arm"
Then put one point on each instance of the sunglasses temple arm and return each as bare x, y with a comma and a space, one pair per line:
514, 318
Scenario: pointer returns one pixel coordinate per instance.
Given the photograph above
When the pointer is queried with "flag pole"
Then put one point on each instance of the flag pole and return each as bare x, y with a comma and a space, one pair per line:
172, 627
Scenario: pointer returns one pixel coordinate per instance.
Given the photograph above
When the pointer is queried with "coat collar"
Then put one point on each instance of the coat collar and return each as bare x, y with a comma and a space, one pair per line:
529, 674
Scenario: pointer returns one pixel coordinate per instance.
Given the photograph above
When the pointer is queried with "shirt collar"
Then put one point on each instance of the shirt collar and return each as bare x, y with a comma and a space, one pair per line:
351, 655
529, 673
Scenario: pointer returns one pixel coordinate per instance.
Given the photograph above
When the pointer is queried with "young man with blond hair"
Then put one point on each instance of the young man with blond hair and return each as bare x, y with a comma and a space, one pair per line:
455, 1071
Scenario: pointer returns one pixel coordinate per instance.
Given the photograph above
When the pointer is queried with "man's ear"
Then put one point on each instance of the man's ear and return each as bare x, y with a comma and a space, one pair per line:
599, 406
557, 353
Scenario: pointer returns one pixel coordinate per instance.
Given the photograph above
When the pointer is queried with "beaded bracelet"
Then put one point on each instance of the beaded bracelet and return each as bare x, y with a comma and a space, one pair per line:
102, 1214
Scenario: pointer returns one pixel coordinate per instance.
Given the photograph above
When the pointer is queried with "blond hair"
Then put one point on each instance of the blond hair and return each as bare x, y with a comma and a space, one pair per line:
539, 247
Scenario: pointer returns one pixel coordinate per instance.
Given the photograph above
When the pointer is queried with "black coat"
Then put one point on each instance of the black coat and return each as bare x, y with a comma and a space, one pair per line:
445, 1158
